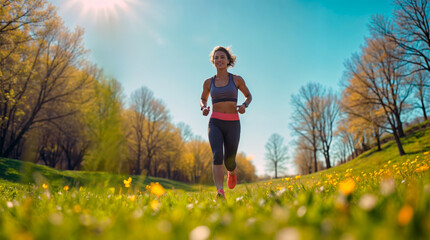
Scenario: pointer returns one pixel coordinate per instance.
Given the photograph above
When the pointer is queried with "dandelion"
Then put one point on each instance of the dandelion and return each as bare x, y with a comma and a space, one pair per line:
44, 186
132, 198
346, 187
127, 182
157, 189
405, 215
426, 153
297, 177
66, 188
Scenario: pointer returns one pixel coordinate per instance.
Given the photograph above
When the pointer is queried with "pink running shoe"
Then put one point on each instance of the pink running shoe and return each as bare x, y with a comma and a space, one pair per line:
232, 179
220, 194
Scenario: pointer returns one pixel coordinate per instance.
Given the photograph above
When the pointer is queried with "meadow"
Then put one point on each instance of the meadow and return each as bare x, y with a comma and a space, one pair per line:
378, 195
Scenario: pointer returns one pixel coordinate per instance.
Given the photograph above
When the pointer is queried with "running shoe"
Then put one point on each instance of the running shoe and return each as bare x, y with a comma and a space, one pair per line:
232, 179
220, 194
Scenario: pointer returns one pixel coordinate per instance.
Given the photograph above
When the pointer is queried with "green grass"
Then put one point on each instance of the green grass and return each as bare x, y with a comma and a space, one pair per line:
376, 196
30, 173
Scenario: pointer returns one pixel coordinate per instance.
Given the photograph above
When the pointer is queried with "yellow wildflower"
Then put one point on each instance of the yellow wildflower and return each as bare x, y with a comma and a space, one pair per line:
157, 189
77, 208
426, 153
127, 182
155, 205
66, 188
346, 187
44, 186
297, 177
405, 215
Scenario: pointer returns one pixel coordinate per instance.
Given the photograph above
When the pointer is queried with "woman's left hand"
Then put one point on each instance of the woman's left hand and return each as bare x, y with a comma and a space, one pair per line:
241, 109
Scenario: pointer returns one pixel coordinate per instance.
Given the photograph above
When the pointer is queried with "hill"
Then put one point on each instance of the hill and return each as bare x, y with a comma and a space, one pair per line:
29, 173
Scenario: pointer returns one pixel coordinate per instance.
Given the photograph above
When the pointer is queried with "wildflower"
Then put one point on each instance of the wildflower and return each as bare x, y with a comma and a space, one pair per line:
405, 215
157, 189
66, 188
77, 208
155, 205
387, 186
426, 153
297, 177
127, 182
346, 187
132, 198
200, 233
367, 202
44, 186
422, 168
288, 233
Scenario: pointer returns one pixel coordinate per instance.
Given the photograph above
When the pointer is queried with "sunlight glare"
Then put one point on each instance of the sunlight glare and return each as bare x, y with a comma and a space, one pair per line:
103, 9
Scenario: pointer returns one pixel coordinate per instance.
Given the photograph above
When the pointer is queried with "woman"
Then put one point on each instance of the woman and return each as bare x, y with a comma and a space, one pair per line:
224, 124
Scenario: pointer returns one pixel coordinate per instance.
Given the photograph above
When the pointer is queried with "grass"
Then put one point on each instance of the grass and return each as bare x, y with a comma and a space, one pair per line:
376, 196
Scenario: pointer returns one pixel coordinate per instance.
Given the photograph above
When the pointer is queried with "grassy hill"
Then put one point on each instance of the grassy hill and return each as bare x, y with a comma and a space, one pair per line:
29, 173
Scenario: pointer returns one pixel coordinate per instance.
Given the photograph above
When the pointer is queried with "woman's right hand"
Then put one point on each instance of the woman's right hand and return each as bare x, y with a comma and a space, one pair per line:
206, 111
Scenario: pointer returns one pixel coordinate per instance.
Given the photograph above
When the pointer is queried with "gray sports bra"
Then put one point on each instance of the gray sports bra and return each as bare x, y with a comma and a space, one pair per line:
228, 93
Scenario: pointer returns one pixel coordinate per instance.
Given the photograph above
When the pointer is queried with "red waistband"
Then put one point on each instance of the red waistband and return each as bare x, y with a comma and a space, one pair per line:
225, 116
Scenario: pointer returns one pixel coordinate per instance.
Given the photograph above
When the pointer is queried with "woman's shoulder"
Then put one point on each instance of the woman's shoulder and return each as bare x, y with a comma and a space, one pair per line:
237, 79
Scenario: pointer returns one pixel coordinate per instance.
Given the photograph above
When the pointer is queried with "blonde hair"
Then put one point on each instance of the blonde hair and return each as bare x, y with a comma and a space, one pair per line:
227, 51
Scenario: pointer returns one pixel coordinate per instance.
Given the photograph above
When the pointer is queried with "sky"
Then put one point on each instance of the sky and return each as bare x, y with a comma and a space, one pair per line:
280, 46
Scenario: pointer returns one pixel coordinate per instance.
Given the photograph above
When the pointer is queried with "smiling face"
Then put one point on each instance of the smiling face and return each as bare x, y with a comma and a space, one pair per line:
221, 60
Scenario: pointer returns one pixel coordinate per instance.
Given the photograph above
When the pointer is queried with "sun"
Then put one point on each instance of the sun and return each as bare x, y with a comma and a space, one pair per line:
102, 9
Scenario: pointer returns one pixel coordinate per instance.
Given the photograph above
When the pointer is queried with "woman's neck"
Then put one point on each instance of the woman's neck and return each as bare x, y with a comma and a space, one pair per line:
222, 72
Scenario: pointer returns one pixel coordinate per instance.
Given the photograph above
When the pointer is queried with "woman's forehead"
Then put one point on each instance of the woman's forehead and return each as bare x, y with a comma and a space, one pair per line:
220, 52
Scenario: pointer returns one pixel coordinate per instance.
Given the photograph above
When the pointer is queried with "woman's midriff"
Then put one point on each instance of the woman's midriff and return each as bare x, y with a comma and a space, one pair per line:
225, 107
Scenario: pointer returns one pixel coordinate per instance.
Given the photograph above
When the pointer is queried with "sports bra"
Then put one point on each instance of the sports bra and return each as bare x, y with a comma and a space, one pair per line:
228, 93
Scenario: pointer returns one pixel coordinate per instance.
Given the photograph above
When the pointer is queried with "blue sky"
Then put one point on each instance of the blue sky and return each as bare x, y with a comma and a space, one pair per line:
280, 46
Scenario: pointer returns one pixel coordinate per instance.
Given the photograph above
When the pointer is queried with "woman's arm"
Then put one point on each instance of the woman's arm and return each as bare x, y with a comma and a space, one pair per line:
204, 97
240, 83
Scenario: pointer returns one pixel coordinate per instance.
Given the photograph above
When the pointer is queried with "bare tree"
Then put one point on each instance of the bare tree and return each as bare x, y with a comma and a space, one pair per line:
410, 30
276, 154
149, 121
328, 112
303, 157
421, 83
305, 117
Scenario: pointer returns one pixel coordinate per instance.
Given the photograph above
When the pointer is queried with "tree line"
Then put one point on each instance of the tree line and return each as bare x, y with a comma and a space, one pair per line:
59, 109
385, 84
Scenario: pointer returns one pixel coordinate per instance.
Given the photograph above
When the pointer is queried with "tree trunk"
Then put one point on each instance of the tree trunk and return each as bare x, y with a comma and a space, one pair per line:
398, 143
400, 126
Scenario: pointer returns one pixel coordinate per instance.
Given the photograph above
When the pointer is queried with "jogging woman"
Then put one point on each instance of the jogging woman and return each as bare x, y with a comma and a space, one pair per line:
224, 124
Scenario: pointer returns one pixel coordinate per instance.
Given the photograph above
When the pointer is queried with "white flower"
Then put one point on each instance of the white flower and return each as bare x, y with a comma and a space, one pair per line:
367, 202
200, 233
288, 234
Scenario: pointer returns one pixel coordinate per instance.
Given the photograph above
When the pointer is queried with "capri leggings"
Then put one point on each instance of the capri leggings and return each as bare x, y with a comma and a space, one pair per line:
224, 135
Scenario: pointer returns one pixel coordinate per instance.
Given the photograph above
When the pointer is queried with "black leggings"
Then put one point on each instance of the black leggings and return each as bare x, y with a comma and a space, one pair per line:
224, 134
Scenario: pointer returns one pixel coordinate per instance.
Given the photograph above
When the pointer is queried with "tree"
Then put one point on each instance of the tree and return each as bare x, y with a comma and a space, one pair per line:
421, 83
150, 120
410, 30
380, 80
104, 127
303, 157
42, 64
306, 115
328, 111
276, 154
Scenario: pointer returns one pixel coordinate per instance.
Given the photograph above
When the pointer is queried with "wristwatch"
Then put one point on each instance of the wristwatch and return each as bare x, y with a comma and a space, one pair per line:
246, 104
